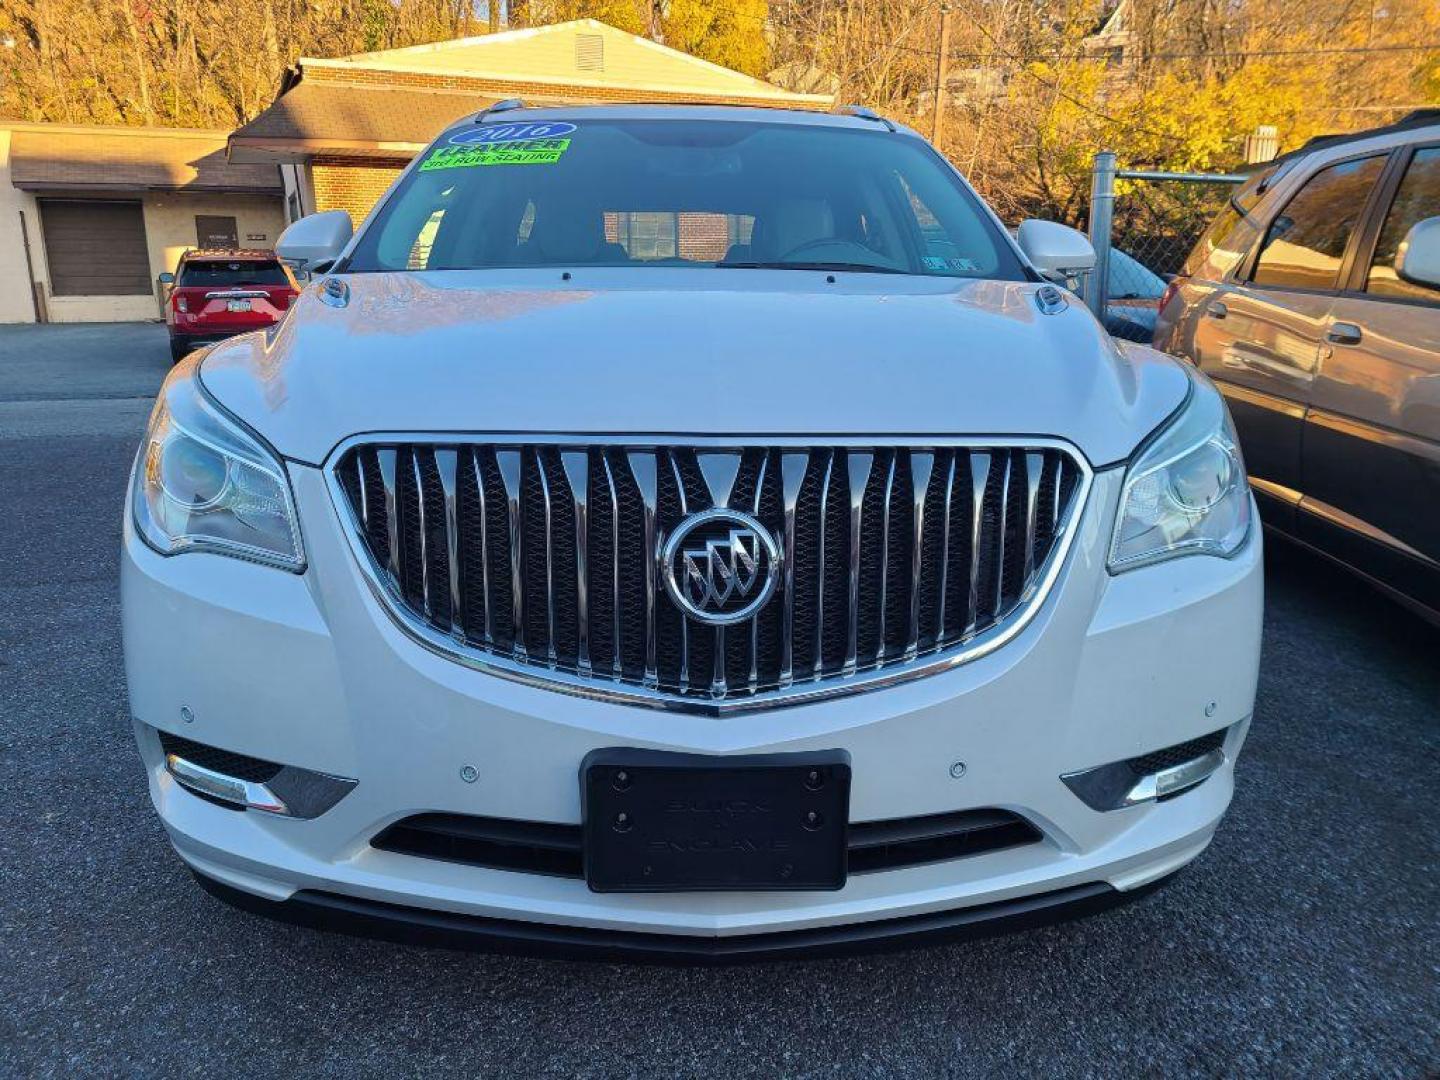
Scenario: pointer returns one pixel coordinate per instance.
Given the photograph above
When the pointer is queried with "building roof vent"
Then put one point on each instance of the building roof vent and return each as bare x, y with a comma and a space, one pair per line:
589, 52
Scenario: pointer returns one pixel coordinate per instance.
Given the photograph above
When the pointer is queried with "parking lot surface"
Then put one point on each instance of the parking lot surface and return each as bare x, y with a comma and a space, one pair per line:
1306, 941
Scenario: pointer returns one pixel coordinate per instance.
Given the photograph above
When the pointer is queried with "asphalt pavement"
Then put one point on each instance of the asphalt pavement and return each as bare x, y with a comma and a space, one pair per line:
1306, 941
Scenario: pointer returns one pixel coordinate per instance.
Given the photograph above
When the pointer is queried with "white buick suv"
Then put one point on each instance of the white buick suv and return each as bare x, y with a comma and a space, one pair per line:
687, 532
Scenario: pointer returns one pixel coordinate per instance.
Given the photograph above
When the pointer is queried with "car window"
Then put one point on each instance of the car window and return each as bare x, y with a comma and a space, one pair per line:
1306, 242
224, 274
1224, 239
683, 193
1417, 198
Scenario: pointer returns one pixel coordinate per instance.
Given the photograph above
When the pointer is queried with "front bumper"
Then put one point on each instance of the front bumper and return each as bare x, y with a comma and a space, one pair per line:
424, 926
310, 671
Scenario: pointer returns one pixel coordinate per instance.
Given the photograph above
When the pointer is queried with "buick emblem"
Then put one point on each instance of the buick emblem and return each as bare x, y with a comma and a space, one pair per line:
720, 566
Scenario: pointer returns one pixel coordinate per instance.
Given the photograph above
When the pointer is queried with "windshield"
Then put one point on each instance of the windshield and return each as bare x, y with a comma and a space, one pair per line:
683, 193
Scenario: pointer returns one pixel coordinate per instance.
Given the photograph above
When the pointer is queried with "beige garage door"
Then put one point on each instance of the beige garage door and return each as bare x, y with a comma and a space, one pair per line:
95, 248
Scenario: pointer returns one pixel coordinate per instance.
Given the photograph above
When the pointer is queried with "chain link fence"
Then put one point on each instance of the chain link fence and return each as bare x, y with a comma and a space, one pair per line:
1143, 226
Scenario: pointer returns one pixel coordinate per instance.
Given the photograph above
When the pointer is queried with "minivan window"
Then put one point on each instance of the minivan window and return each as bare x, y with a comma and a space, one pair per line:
1305, 243
1224, 239
682, 193
224, 274
1417, 198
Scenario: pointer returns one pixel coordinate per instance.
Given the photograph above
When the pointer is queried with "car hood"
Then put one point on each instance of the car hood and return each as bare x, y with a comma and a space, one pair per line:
654, 351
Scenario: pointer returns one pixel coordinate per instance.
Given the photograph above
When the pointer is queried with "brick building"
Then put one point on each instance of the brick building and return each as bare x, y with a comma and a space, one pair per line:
342, 129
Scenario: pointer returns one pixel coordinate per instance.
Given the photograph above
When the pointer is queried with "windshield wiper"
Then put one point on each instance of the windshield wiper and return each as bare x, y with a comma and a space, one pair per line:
863, 268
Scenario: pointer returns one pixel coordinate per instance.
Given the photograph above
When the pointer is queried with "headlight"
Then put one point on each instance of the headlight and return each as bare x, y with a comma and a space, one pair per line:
1186, 492
203, 483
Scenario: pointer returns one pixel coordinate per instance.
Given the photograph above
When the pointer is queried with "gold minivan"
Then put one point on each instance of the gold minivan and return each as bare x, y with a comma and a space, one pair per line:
1313, 302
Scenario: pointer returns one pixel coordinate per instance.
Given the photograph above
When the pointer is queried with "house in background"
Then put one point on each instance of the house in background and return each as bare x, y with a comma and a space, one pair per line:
342, 129
91, 216
1112, 42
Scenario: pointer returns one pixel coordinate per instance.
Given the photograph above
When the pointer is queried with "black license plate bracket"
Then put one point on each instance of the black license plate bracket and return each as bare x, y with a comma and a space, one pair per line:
657, 821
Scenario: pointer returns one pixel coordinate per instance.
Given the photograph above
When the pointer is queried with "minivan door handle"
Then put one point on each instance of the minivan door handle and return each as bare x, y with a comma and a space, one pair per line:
1216, 309
1343, 333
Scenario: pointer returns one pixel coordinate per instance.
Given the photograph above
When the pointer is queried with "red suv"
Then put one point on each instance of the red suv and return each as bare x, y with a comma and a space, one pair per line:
218, 294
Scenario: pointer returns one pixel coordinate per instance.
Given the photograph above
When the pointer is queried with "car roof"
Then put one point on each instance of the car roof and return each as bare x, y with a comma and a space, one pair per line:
861, 120
1418, 125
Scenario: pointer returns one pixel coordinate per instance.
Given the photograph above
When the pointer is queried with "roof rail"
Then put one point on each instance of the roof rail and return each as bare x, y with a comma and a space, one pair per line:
1417, 118
862, 113
499, 106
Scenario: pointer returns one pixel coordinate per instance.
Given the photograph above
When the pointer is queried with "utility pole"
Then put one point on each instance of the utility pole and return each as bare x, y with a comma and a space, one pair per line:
937, 120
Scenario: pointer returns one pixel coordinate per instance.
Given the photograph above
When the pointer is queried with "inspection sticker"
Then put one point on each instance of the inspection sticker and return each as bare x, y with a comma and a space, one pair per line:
518, 152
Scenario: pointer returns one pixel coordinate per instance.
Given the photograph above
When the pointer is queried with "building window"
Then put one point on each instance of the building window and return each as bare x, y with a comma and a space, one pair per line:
643, 235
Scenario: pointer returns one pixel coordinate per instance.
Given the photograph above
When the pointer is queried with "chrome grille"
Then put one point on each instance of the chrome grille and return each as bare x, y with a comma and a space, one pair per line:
539, 559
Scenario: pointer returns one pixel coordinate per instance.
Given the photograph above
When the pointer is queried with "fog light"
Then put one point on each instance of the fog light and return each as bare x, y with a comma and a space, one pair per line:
1149, 777
230, 789
248, 783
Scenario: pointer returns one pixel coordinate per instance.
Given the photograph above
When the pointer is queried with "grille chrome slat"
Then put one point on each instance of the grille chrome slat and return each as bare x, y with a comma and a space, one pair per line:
364, 498
922, 463
754, 680
424, 540
509, 462
885, 556
1059, 467
867, 594
386, 458
979, 481
549, 560
616, 665
489, 631
1000, 529
1034, 463
820, 566
859, 465
718, 679
683, 679
645, 474
577, 474
945, 548
792, 475
447, 464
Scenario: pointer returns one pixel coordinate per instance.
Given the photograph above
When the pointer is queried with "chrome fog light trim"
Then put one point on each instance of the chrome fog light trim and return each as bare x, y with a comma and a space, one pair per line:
292, 792
1175, 779
1121, 784
230, 789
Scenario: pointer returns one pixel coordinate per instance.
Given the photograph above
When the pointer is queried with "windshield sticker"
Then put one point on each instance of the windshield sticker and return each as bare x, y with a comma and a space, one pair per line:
509, 133
520, 152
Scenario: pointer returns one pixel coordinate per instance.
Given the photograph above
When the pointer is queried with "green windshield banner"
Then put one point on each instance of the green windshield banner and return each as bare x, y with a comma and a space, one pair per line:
525, 152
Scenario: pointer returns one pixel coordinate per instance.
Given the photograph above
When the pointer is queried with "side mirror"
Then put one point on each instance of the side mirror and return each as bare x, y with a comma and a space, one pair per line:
167, 278
316, 238
1057, 251
1418, 258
